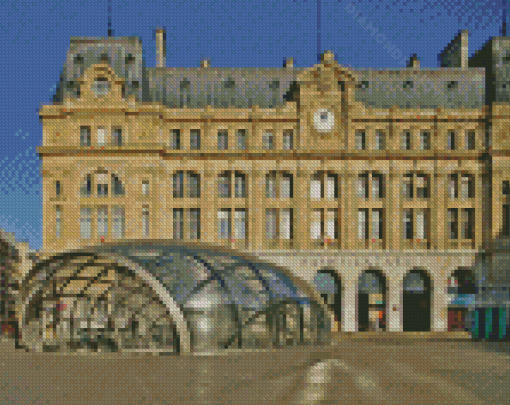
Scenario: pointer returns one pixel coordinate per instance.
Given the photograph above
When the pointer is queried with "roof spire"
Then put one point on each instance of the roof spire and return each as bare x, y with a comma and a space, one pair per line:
503, 27
110, 31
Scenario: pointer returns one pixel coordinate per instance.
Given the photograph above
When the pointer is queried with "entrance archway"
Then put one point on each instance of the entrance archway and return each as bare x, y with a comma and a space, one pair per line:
417, 301
328, 284
372, 301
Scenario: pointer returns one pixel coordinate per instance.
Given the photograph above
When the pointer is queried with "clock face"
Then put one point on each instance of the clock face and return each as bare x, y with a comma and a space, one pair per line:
324, 120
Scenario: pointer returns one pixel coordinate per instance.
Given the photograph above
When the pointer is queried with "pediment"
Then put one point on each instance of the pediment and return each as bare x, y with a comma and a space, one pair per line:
327, 77
99, 84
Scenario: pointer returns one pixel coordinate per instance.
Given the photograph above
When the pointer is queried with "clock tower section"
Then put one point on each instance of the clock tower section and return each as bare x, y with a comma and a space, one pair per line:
326, 94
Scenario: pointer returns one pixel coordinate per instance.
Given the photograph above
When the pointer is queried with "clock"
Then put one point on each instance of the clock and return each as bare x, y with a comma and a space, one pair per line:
323, 120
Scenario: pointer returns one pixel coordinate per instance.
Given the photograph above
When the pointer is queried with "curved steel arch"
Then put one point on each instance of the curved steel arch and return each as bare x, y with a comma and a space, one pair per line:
170, 305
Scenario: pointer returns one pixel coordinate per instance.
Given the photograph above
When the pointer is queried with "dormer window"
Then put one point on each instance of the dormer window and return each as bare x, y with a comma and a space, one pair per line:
101, 86
363, 85
408, 84
274, 85
453, 85
129, 59
104, 57
229, 83
185, 84
78, 59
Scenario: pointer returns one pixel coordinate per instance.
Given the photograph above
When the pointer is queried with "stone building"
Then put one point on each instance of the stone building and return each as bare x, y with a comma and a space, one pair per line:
392, 184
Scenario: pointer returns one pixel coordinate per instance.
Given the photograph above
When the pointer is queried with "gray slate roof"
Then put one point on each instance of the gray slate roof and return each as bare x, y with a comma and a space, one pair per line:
266, 87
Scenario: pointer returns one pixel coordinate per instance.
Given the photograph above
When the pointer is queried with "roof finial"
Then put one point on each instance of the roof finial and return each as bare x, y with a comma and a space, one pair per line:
503, 27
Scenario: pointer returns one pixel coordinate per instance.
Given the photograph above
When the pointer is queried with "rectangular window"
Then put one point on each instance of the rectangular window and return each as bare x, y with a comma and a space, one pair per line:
57, 188
451, 140
58, 221
145, 222
145, 187
224, 224
288, 141
331, 187
331, 231
118, 216
363, 185
379, 140
86, 223
315, 224
377, 224
270, 223
408, 186
453, 223
241, 139
102, 222
193, 185
408, 224
286, 223
421, 224
363, 224
468, 222
467, 187
240, 185
223, 140
176, 139
117, 137
102, 190
268, 141
406, 140
422, 186
377, 186
506, 220
506, 187
194, 223
270, 186
286, 186
178, 191
224, 186
360, 140
240, 224
425, 141
453, 190
178, 223
101, 136
85, 136
470, 140
194, 140
315, 188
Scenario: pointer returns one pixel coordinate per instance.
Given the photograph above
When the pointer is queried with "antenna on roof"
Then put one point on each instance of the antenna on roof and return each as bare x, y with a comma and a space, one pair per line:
503, 27
318, 31
110, 31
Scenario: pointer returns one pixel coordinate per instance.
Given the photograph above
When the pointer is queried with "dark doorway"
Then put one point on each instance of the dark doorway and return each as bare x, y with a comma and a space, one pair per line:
417, 301
329, 286
371, 301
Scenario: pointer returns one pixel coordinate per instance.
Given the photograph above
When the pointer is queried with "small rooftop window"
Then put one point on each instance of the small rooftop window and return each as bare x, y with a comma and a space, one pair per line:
78, 59
185, 84
130, 59
229, 83
363, 85
453, 85
408, 84
274, 85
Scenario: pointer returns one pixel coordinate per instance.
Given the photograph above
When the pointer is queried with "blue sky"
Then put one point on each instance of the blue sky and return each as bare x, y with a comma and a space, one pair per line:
35, 38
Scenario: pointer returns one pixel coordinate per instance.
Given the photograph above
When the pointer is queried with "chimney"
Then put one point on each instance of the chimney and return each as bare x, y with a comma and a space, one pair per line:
288, 63
328, 56
160, 47
413, 62
205, 63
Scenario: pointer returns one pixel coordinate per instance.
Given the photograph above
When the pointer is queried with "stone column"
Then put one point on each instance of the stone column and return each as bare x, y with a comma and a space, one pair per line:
439, 306
349, 323
395, 308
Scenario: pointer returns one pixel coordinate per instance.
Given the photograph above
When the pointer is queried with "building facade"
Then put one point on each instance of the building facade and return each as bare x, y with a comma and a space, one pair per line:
390, 184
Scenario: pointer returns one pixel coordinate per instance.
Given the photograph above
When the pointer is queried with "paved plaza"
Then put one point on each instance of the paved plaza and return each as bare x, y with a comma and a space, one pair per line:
356, 369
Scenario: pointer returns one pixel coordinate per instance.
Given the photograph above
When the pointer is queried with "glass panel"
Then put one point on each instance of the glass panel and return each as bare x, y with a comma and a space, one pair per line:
362, 224
331, 224
224, 186
315, 228
194, 226
271, 186
178, 191
178, 223
288, 142
224, 224
239, 186
270, 224
376, 224
86, 223
101, 136
285, 186
331, 185
118, 222
315, 188
286, 224
240, 224
421, 224
102, 221
241, 139
194, 185
195, 139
